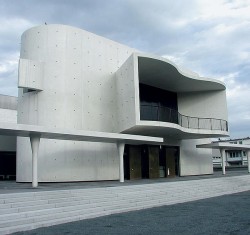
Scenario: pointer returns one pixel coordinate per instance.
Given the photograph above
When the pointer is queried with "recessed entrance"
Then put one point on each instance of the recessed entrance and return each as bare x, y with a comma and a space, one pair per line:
150, 161
7, 165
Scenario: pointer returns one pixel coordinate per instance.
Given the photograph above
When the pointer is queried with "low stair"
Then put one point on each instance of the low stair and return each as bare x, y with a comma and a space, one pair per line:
30, 210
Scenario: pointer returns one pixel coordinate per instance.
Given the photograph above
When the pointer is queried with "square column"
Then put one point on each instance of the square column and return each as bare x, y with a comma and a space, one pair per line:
34, 141
223, 160
120, 148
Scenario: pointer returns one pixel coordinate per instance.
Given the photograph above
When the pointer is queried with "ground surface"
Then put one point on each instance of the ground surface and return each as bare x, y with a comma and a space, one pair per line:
13, 187
228, 215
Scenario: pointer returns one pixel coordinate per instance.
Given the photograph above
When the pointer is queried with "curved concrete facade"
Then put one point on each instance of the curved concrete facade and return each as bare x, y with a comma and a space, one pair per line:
70, 78
196, 96
78, 91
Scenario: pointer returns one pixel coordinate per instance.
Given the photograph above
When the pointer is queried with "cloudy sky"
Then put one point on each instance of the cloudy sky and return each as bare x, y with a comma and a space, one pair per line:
211, 38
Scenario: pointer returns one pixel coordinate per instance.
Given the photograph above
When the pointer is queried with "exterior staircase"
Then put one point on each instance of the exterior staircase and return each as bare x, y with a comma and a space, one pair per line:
30, 210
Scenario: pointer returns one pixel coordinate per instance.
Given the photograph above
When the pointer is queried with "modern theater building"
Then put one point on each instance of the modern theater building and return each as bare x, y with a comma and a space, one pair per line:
73, 79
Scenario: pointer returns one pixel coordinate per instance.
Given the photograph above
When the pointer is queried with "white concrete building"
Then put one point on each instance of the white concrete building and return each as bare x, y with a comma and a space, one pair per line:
73, 79
234, 157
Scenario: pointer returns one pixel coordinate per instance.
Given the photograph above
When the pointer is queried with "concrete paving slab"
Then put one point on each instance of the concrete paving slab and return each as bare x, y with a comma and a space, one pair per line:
13, 187
220, 215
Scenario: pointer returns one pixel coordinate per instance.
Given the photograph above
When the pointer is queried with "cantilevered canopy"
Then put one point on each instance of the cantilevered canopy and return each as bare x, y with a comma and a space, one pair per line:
227, 146
37, 132
172, 130
162, 73
78, 135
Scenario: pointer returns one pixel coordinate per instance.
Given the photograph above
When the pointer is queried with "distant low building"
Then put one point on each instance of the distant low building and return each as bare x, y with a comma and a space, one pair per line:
233, 157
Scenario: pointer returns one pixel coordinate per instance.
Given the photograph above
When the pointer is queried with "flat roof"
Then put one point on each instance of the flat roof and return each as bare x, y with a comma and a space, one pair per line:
8, 102
223, 145
231, 140
24, 130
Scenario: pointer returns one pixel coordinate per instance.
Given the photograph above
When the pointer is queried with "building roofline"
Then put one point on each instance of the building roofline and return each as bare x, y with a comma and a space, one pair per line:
180, 76
227, 140
12, 96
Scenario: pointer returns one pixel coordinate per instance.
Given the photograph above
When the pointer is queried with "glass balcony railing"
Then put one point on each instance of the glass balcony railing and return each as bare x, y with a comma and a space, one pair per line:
165, 114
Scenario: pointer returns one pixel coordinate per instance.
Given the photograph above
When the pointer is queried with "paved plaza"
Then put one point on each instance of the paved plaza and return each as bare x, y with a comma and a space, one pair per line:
208, 204
228, 215
13, 187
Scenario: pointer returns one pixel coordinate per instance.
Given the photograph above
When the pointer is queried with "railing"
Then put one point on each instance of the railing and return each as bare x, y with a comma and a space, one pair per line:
165, 114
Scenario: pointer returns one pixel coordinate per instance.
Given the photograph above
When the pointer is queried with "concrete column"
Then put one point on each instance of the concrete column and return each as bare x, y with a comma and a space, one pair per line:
248, 160
223, 160
34, 140
120, 148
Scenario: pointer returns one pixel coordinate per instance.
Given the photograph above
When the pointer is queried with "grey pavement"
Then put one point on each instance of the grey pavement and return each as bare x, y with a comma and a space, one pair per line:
13, 187
221, 215
228, 215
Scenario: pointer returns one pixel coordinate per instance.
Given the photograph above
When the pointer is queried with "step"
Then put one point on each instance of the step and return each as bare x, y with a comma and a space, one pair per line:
152, 201
36, 209
76, 201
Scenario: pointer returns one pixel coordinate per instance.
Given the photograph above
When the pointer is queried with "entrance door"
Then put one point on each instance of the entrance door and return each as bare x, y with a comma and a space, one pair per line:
7, 165
144, 162
135, 162
171, 161
162, 162
153, 157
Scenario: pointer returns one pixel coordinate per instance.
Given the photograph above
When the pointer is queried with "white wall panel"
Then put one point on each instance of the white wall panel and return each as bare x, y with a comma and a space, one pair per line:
195, 161
208, 104
125, 86
30, 74
8, 115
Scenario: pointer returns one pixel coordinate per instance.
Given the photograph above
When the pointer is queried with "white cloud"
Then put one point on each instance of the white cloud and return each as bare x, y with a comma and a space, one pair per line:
14, 25
10, 64
8, 75
222, 9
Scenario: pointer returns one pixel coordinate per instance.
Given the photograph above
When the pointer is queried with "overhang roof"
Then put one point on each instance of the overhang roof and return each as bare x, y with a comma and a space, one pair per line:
173, 131
162, 73
226, 146
13, 129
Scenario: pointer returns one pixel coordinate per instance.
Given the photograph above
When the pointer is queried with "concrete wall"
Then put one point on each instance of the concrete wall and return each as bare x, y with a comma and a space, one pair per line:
195, 161
30, 74
127, 86
7, 143
8, 114
60, 161
79, 91
79, 78
210, 104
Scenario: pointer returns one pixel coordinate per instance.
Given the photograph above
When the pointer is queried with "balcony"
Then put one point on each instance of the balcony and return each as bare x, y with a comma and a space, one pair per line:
165, 114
